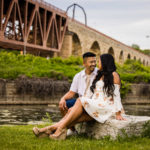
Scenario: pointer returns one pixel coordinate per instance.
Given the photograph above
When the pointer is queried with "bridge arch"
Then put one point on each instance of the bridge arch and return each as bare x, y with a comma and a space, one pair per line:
144, 62
111, 51
134, 57
76, 45
121, 57
95, 48
129, 56
139, 60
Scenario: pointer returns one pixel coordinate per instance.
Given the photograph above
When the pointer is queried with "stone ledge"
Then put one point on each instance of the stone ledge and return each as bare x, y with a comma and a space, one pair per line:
132, 126
26, 102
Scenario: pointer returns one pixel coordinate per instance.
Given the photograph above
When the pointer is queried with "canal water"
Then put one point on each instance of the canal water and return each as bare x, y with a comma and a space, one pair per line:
18, 115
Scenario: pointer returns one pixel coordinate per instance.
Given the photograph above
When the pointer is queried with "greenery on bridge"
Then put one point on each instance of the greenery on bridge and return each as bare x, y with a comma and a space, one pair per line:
137, 47
13, 65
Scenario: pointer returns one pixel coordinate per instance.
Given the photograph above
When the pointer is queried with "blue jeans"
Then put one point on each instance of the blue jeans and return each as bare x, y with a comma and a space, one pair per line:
70, 102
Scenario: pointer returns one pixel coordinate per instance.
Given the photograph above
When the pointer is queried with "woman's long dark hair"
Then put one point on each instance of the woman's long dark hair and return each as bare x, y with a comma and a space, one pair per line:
108, 67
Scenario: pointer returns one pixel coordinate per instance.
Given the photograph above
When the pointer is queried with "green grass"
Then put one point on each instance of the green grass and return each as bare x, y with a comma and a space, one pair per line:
22, 138
12, 65
134, 72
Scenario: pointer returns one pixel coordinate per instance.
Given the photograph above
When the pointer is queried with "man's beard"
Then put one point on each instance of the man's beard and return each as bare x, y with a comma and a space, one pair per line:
92, 68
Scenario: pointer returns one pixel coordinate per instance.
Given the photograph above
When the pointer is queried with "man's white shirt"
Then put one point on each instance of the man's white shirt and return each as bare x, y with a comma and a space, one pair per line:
79, 82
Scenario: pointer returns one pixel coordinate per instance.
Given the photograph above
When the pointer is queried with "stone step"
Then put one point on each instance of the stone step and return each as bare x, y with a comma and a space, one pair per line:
114, 128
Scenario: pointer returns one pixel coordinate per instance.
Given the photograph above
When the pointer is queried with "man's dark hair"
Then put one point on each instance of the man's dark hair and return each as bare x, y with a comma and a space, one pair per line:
88, 54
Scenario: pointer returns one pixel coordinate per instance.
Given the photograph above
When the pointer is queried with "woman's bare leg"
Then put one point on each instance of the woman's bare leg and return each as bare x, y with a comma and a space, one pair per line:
73, 115
54, 126
63, 112
83, 118
71, 119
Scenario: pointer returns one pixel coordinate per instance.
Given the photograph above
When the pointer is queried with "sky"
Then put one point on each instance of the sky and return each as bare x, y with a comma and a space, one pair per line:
127, 21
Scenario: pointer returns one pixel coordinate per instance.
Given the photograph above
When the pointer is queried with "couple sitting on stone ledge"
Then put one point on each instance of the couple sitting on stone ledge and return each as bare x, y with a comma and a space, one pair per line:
99, 97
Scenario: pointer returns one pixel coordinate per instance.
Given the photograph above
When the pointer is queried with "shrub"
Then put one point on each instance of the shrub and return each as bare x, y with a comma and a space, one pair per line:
12, 66
40, 87
125, 87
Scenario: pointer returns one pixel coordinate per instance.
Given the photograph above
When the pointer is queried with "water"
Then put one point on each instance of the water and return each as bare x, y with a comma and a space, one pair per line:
33, 114
137, 110
27, 114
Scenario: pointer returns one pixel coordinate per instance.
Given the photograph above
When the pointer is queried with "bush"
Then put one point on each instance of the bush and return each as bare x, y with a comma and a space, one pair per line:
12, 66
125, 87
134, 72
136, 77
40, 87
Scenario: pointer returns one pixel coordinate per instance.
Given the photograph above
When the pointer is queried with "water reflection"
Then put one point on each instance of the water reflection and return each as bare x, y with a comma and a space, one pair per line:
25, 114
137, 110
34, 114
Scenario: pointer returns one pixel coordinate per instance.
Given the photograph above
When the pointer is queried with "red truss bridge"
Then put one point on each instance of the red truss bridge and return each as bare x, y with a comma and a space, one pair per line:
32, 25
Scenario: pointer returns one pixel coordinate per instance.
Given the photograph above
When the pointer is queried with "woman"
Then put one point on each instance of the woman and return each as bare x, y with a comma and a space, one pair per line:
104, 103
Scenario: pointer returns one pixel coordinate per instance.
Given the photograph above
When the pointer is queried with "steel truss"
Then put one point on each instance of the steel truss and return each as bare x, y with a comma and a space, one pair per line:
31, 25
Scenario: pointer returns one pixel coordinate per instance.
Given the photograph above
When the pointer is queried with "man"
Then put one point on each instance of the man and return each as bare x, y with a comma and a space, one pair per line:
80, 85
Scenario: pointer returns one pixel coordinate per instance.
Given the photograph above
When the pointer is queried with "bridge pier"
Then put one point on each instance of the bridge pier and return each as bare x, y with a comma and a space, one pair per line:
66, 49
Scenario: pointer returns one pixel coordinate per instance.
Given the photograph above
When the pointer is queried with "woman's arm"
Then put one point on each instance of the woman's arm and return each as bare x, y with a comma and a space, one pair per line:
117, 98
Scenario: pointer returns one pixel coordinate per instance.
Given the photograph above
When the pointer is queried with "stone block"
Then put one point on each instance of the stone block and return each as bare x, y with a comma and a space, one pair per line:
2, 99
26, 97
9, 98
113, 128
17, 98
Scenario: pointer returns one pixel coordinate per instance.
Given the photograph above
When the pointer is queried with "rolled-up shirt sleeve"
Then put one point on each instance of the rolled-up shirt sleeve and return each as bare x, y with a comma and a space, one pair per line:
74, 85
117, 99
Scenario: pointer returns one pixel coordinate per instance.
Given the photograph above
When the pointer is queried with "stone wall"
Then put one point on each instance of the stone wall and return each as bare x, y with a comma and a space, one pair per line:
139, 94
11, 95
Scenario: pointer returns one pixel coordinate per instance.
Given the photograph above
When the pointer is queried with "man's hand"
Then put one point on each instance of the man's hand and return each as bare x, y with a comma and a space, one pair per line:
62, 104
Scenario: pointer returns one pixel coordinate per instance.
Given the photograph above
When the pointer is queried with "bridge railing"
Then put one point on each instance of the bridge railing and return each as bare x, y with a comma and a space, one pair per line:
49, 5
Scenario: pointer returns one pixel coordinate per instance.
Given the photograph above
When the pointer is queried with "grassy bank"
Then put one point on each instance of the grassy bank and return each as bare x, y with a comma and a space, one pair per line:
21, 138
13, 65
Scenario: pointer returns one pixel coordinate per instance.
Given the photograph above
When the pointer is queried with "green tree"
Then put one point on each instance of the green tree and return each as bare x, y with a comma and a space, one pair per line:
146, 51
135, 46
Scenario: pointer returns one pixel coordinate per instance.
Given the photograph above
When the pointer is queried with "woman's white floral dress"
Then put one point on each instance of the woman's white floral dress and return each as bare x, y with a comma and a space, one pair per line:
100, 106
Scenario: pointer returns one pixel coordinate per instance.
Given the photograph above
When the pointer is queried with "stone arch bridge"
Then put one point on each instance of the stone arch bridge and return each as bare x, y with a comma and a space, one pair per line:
80, 38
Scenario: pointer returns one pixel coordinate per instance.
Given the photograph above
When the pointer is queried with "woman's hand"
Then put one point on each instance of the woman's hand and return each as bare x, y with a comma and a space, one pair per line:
119, 117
